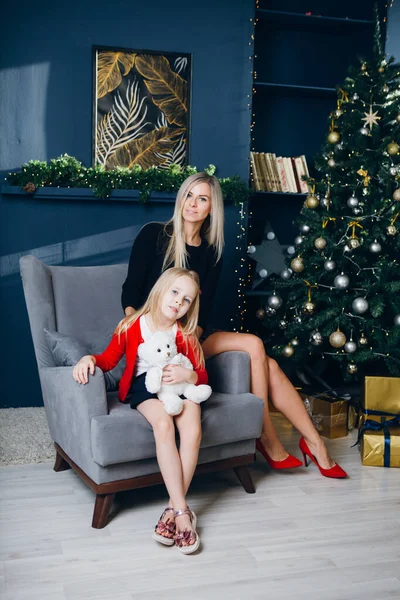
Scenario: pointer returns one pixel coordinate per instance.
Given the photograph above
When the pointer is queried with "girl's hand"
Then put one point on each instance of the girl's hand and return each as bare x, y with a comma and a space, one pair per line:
177, 374
80, 371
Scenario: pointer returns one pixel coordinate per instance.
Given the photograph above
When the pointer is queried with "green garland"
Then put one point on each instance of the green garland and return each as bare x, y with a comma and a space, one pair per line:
67, 171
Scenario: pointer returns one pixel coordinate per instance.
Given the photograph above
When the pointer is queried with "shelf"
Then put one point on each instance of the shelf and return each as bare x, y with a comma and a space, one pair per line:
263, 193
86, 194
305, 89
312, 23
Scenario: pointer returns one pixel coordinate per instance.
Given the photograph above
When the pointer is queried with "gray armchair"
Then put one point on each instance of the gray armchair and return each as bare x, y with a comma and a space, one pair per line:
109, 445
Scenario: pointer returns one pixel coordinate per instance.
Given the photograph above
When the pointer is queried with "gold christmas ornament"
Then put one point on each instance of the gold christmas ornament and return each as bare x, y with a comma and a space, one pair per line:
333, 137
331, 162
297, 264
371, 118
354, 243
392, 148
391, 230
337, 339
385, 89
311, 201
288, 351
396, 194
308, 308
381, 70
398, 118
320, 243
363, 67
363, 340
352, 368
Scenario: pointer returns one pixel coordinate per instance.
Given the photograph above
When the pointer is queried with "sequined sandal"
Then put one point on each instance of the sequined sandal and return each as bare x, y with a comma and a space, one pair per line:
186, 536
167, 526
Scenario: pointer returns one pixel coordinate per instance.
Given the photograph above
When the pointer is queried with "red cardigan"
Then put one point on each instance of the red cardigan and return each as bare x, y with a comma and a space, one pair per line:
127, 343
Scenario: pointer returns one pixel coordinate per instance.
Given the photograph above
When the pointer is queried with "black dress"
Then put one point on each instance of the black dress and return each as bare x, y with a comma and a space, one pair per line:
145, 267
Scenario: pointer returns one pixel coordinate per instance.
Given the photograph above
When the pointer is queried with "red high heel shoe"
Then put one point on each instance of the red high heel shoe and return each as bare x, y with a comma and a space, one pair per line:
335, 472
290, 462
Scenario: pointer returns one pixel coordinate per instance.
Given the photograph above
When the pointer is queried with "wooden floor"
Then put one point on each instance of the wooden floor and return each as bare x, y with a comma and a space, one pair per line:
300, 536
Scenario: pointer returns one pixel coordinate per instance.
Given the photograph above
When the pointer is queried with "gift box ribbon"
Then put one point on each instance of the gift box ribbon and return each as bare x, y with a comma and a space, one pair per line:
370, 425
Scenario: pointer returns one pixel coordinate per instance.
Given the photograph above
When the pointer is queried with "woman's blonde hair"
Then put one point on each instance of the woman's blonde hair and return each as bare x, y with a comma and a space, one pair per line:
212, 228
188, 323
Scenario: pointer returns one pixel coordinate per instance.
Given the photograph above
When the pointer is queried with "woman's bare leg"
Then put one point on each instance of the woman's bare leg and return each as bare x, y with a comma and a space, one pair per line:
222, 341
267, 379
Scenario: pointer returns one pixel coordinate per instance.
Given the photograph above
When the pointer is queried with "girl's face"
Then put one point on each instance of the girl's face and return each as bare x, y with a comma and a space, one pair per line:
197, 205
178, 298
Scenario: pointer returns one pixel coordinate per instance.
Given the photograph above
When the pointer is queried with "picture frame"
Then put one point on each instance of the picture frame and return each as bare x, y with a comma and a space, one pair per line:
141, 108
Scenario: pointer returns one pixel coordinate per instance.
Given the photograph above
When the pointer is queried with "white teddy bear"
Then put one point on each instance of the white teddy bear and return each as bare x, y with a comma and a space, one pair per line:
160, 350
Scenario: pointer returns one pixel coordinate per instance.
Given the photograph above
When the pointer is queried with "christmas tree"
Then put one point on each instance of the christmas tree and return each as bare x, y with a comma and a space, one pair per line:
338, 298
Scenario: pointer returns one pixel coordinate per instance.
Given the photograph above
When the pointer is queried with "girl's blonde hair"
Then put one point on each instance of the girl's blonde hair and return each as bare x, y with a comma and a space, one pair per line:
212, 228
188, 323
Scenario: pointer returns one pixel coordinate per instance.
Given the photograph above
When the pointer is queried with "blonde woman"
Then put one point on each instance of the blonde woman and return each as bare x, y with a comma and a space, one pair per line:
194, 238
172, 306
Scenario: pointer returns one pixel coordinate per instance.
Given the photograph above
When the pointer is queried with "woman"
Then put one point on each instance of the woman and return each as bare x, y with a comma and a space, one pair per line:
194, 239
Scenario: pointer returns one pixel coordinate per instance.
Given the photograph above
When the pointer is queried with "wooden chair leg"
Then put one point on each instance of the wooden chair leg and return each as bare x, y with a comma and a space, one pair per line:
102, 509
243, 474
60, 464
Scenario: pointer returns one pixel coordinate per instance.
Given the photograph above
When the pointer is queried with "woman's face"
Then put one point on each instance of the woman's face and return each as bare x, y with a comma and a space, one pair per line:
197, 205
178, 298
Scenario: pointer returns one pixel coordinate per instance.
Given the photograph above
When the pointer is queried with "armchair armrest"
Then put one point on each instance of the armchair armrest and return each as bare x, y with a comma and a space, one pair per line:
229, 372
70, 407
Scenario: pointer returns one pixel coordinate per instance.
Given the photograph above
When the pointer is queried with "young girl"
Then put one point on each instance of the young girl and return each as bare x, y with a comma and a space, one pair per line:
172, 306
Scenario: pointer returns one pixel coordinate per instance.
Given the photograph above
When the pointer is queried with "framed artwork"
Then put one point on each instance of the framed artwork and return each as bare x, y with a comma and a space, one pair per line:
141, 108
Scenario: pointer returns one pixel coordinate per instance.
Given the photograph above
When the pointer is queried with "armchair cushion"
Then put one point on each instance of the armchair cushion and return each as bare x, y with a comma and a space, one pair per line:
124, 435
67, 350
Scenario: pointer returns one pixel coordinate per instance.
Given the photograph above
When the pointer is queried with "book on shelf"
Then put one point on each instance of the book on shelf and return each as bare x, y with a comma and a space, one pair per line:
271, 173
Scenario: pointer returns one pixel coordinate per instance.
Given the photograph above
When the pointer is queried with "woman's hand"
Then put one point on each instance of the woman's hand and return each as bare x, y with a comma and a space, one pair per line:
177, 374
80, 371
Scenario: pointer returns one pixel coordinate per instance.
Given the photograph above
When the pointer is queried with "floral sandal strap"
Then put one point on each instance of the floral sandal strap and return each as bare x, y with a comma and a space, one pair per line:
185, 537
165, 527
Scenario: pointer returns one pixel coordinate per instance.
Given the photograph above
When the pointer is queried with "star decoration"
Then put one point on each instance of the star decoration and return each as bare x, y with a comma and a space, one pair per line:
371, 118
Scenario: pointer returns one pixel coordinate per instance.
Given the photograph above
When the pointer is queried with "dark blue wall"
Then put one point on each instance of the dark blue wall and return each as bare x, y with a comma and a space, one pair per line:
46, 110
393, 31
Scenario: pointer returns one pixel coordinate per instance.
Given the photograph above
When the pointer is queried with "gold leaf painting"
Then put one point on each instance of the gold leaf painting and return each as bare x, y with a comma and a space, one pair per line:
141, 112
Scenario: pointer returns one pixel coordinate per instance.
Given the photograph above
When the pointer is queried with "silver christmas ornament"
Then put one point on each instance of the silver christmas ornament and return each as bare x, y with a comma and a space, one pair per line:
263, 273
271, 235
364, 131
375, 247
347, 248
355, 97
283, 324
398, 118
352, 368
274, 301
291, 250
353, 201
350, 347
337, 339
393, 171
396, 320
325, 201
331, 162
385, 89
329, 265
357, 210
341, 281
286, 274
320, 243
297, 319
298, 240
316, 338
294, 342
338, 113
304, 228
269, 311
251, 249
260, 313
288, 351
360, 306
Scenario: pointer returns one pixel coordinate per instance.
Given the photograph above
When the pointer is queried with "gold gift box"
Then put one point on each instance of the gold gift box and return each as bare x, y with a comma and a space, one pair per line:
329, 415
381, 394
372, 448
